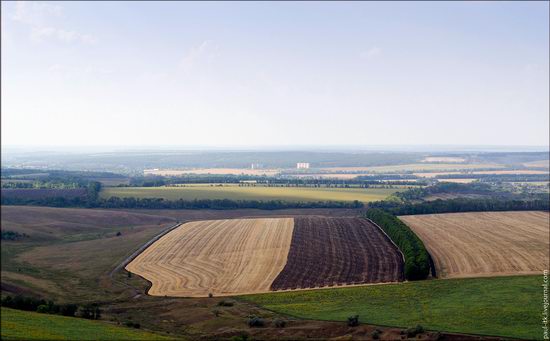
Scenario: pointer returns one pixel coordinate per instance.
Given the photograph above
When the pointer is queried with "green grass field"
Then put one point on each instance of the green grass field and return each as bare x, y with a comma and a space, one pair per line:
250, 193
502, 306
25, 325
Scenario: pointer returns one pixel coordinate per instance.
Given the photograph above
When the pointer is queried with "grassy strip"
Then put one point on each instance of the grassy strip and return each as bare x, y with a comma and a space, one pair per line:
24, 325
417, 259
502, 306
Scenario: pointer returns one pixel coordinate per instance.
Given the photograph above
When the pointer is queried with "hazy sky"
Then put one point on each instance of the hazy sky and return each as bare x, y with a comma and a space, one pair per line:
275, 73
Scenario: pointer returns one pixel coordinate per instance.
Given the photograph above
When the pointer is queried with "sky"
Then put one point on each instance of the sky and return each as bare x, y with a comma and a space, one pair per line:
274, 73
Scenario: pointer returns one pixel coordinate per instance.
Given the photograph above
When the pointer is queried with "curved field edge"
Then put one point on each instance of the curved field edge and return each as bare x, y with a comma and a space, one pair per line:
26, 325
498, 306
223, 257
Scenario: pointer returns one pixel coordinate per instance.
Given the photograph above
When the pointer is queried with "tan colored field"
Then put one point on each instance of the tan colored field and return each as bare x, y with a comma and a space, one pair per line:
485, 243
457, 181
328, 175
451, 159
518, 171
214, 171
415, 167
222, 257
538, 164
522, 171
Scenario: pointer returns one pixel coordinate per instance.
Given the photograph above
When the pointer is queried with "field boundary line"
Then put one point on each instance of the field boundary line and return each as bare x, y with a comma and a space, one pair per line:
398, 249
143, 248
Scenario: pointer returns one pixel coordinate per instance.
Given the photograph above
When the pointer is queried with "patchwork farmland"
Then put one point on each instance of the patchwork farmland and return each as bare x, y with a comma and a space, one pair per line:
243, 256
485, 243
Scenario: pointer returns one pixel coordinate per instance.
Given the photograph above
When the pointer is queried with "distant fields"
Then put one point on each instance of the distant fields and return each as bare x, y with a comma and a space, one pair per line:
250, 193
503, 306
416, 167
24, 325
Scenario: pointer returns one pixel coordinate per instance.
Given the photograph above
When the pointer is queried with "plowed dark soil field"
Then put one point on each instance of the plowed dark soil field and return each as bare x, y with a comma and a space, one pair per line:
335, 251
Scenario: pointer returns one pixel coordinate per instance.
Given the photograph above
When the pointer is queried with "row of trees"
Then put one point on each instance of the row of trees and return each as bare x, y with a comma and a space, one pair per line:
417, 259
88, 311
220, 204
155, 181
460, 205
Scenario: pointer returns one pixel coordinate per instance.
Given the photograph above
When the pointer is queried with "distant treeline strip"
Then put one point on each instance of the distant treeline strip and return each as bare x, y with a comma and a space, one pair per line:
417, 259
461, 205
155, 181
498, 177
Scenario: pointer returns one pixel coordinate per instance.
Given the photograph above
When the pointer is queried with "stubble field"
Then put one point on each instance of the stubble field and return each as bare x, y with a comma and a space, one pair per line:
222, 257
244, 256
485, 243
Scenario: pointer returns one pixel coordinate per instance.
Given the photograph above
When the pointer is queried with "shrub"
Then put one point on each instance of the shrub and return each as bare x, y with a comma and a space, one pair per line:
353, 321
243, 337
255, 321
42, 309
412, 332
226, 303
216, 312
280, 323
210, 295
417, 259
68, 309
376, 334
132, 324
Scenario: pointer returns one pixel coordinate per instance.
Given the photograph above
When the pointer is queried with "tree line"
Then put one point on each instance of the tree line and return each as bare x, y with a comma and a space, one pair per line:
417, 259
361, 181
87, 311
461, 205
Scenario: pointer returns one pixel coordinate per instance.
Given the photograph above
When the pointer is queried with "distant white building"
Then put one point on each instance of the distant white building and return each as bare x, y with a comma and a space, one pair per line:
302, 165
256, 166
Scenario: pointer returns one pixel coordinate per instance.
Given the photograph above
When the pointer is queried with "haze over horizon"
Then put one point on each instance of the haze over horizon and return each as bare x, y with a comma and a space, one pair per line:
275, 74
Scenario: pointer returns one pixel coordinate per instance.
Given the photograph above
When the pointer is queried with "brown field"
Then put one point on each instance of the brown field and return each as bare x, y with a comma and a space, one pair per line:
485, 243
222, 257
336, 251
69, 252
216, 171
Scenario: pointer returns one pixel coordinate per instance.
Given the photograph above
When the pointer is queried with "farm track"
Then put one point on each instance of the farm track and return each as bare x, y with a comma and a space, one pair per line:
335, 251
222, 257
485, 243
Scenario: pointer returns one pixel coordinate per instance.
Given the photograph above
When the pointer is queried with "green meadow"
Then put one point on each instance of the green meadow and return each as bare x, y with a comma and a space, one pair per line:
25, 325
501, 306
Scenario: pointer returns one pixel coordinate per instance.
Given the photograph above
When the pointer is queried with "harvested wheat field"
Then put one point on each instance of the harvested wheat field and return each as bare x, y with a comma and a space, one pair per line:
485, 243
222, 257
246, 256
